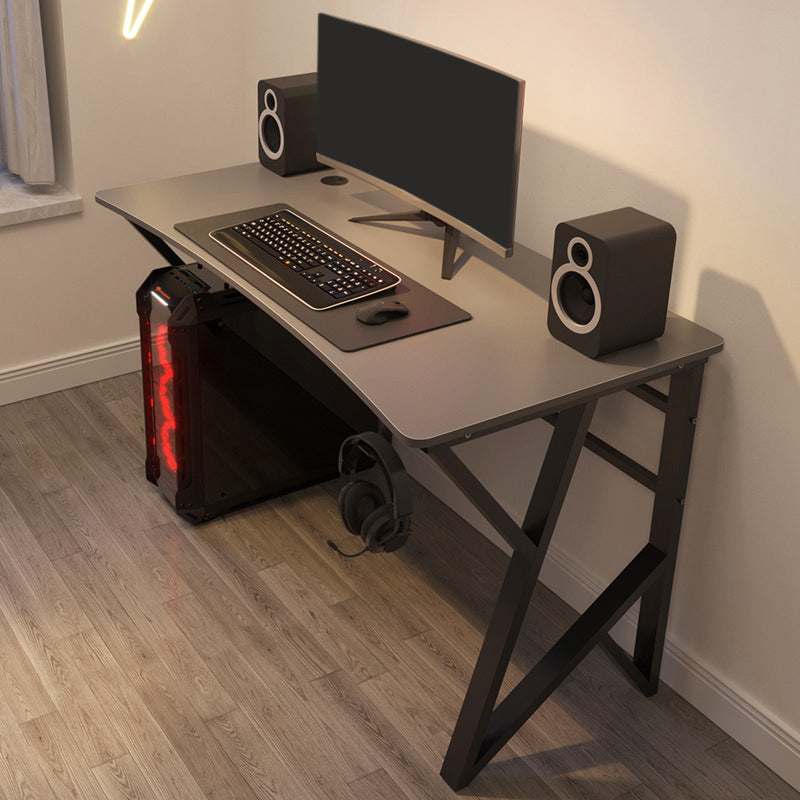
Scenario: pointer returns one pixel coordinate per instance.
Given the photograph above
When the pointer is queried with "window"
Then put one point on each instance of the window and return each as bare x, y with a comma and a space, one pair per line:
41, 189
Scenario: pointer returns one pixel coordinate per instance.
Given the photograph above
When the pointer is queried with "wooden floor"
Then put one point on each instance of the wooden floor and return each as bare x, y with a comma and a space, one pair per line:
141, 657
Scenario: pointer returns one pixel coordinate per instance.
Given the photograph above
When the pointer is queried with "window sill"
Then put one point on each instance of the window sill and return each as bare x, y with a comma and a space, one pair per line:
22, 203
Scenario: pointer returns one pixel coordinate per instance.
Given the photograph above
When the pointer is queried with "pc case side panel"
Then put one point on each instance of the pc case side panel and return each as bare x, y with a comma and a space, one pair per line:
263, 434
293, 358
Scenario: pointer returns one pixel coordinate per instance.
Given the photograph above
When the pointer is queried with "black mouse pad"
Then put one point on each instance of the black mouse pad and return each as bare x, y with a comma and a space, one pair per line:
427, 310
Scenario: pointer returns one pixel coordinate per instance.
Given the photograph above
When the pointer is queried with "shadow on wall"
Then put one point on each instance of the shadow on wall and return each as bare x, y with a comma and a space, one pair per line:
742, 527
559, 182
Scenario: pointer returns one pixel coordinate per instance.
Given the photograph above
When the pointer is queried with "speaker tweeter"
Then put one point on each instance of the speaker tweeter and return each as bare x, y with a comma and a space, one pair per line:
610, 280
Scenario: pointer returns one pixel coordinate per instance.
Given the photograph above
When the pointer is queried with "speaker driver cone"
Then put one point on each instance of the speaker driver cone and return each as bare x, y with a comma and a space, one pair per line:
272, 134
576, 298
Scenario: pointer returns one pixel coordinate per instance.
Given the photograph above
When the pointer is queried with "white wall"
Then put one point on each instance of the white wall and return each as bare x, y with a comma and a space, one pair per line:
685, 109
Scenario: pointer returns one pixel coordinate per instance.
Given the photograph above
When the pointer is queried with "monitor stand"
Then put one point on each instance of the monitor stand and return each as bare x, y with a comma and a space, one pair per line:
450, 233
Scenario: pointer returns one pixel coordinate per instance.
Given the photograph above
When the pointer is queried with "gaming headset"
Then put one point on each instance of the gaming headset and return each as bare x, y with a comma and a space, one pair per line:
382, 524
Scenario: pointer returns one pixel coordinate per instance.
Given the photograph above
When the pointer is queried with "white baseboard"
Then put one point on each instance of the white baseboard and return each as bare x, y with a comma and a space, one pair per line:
74, 370
768, 738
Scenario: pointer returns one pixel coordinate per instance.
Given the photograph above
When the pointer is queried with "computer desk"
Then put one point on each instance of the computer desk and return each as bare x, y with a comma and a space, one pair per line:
436, 390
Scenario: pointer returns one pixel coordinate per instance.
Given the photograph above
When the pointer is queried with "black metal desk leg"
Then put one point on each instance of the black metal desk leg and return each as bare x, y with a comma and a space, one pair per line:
665, 527
673, 477
464, 756
172, 258
478, 736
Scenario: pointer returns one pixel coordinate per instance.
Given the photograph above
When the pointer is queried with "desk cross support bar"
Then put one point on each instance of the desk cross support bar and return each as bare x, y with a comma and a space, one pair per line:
172, 258
482, 728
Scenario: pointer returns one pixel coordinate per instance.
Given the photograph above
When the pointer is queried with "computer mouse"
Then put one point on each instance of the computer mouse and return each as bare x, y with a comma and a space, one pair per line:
379, 311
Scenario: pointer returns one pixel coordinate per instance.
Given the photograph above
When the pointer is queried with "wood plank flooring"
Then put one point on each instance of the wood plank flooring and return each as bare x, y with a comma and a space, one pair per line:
141, 657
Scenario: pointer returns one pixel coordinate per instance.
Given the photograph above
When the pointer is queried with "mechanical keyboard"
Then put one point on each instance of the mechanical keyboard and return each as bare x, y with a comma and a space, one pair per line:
314, 266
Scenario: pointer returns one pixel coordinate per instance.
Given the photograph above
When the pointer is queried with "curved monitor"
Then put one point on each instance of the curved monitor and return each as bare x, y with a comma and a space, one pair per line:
440, 131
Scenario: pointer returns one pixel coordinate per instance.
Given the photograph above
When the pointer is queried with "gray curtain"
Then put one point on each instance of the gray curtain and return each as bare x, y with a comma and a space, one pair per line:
26, 141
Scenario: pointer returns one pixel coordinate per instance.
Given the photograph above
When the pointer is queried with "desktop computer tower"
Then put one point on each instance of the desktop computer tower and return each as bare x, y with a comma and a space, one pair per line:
236, 410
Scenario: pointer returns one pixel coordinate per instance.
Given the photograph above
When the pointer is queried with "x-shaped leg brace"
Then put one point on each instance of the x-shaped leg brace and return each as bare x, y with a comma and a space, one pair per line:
482, 729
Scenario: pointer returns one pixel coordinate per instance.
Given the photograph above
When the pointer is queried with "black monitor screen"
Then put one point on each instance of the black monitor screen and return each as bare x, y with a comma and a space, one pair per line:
438, 130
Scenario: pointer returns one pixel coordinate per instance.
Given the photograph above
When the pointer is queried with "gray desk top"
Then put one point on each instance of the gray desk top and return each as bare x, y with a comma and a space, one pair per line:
497, 369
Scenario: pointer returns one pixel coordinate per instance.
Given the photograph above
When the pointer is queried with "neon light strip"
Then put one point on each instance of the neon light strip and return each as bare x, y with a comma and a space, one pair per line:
167, 431
131, 28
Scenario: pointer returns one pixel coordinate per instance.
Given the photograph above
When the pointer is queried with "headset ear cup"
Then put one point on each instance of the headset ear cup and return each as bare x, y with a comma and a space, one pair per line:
357, 501
378, 527
395, 542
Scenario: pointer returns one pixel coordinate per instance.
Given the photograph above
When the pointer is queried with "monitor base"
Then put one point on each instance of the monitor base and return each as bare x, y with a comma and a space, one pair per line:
450, 233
